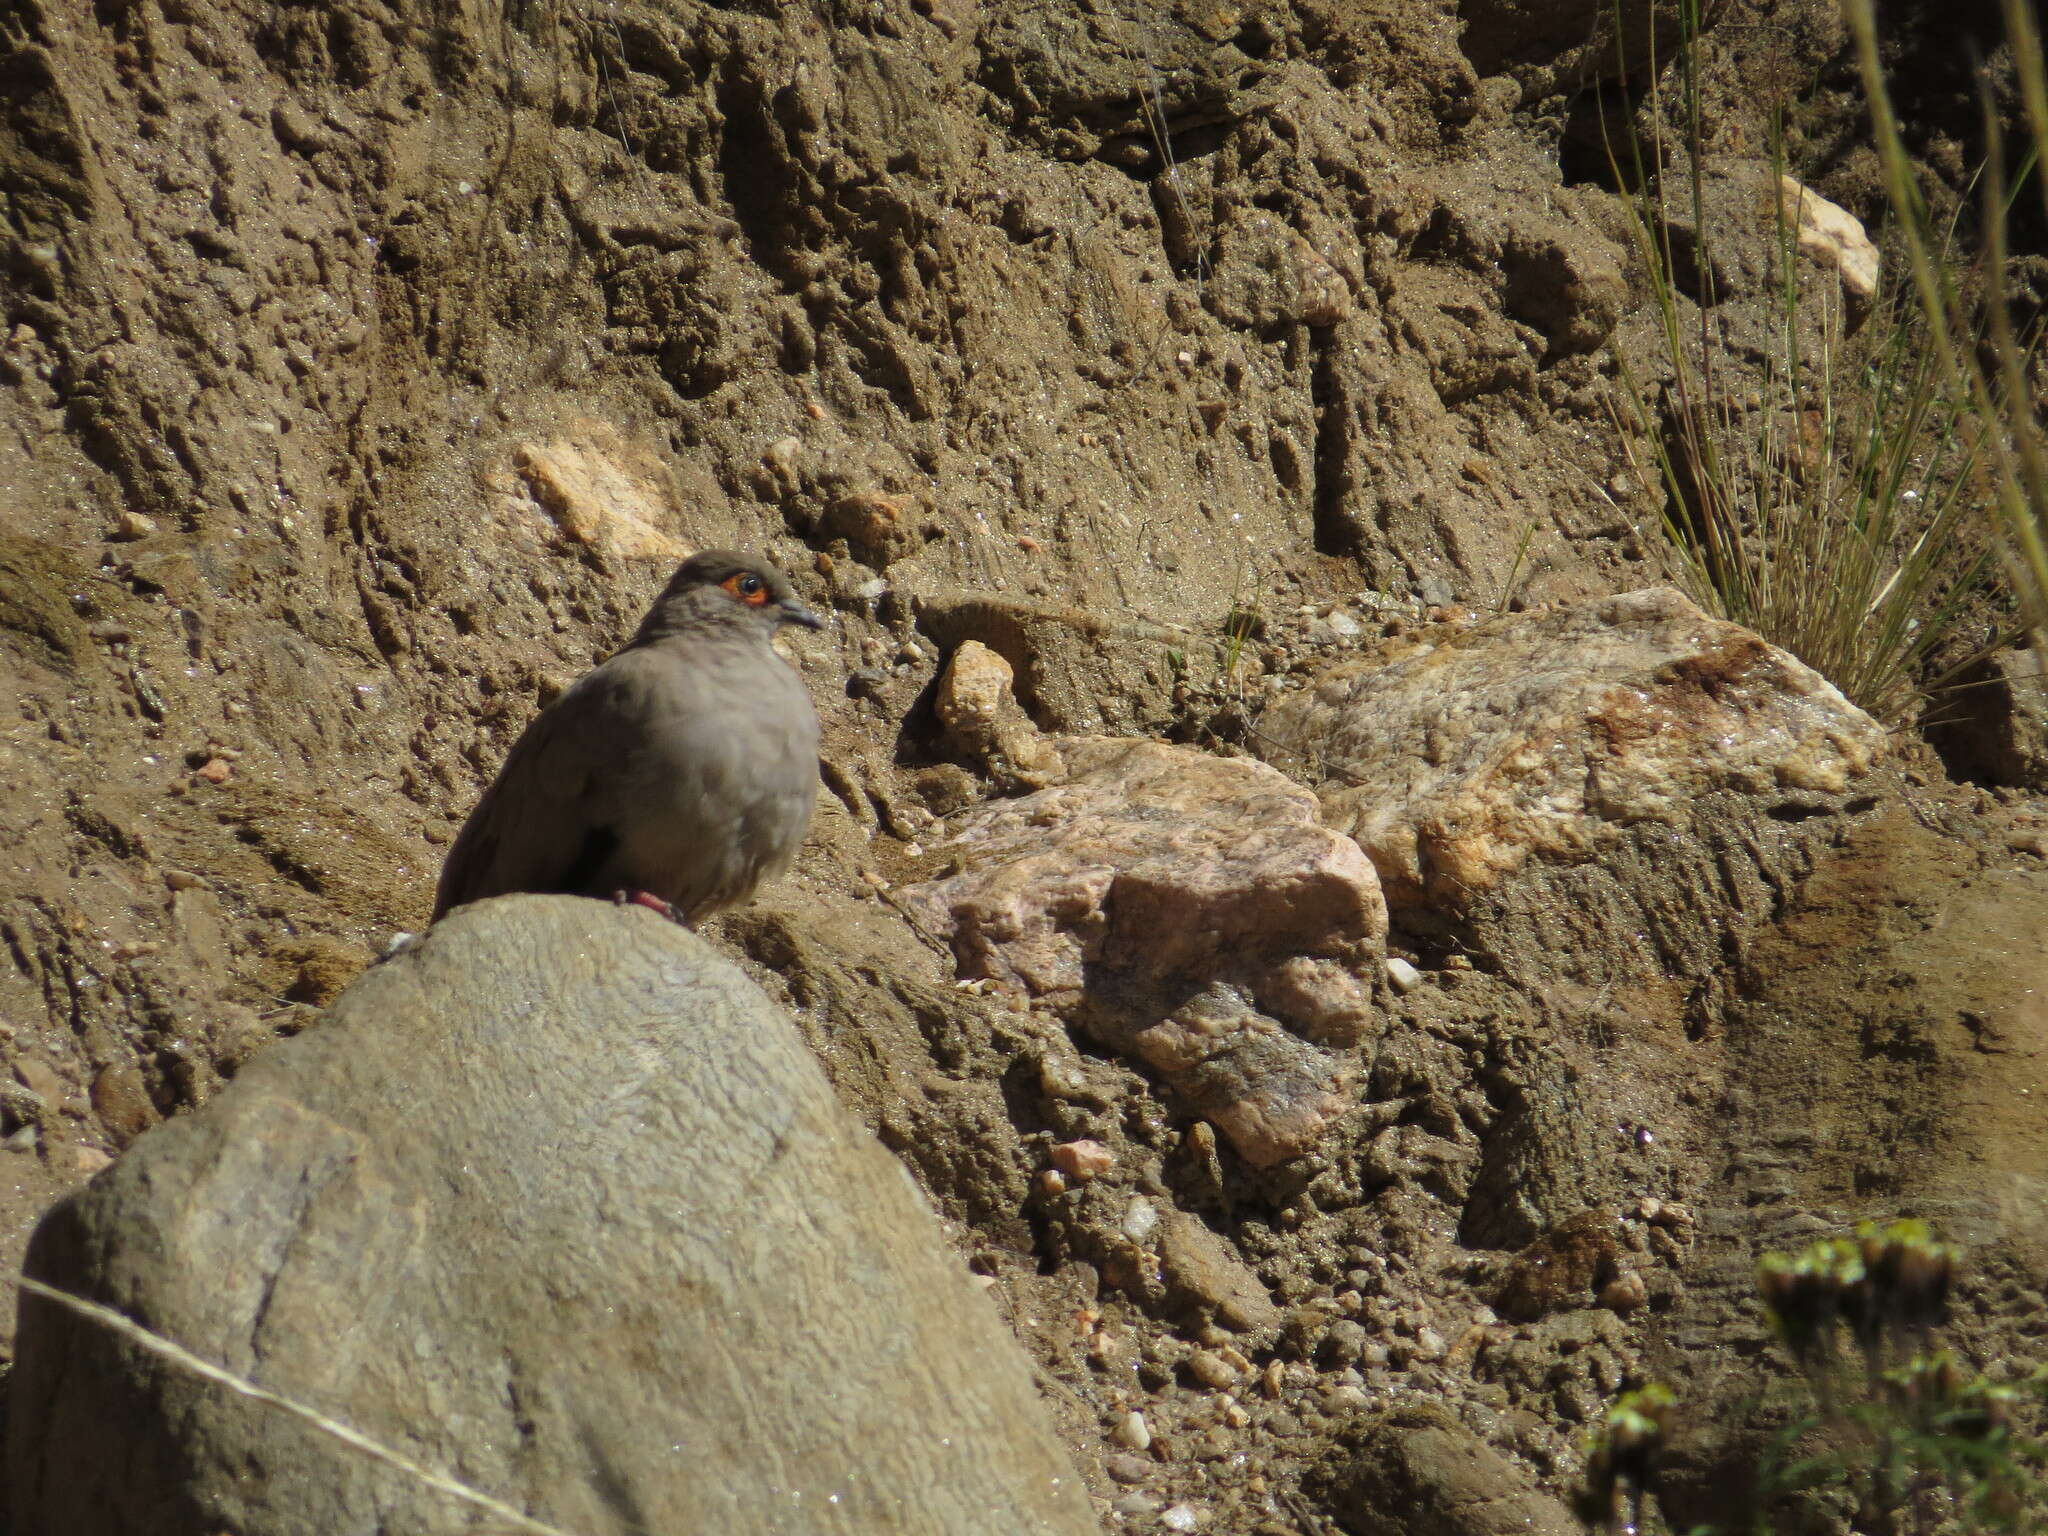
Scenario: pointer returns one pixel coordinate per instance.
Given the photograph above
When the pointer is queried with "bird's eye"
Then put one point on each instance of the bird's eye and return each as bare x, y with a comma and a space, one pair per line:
751, 586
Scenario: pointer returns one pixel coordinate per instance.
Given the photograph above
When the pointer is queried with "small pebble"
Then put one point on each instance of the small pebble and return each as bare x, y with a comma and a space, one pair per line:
1141, 1220
1344, 1343
1029, 545
1083, 1160
1052, 1182
1183, 1516
1625, 1293
1403, 976
1126, 1468
183, 880
90, 1159
1210, 1368
130, 526
1131, 1432
23, 1140
214, 770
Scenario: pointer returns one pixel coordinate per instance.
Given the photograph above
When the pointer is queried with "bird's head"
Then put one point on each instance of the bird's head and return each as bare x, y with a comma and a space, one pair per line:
724, 587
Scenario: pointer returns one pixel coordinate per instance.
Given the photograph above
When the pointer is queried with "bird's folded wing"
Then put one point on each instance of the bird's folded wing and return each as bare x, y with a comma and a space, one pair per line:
534, 824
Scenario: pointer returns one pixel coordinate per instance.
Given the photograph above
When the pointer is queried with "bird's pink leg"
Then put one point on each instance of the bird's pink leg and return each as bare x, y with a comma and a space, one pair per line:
635, 897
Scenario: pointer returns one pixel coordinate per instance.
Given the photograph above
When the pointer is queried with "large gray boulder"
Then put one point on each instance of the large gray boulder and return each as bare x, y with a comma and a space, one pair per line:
556, 1202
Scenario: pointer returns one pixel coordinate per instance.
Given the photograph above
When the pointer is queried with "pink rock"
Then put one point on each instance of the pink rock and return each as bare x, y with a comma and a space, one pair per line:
1189, 910
1083, 1160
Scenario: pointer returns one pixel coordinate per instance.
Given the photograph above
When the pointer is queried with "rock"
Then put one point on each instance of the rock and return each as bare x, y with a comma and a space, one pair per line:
1083, 1160
1565, 280
1457, 753
1076, 669
1184, 909
1562, 1268
878, 528
1267, 277
40, 1079
554, 1199
1625, 1293
1211, 1370
1203, 1274
1131, 1433
1344, 1342
122, 1102
601, 492
322, 967
983, 721
1831, 235
1416, 1471
1992, 727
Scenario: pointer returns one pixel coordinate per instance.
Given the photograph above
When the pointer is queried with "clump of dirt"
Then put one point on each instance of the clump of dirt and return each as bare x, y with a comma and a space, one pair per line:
362, 368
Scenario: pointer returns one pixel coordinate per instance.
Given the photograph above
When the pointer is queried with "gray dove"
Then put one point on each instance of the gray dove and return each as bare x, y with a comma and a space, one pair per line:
678, 773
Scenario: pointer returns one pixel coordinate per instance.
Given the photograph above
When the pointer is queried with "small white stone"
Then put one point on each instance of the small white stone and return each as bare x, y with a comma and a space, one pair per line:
1403, 976
1131, 1432
1141, 1220
1181, 1517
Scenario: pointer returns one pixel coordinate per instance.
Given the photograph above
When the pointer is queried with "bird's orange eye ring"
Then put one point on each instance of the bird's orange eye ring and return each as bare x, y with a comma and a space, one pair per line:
748, 588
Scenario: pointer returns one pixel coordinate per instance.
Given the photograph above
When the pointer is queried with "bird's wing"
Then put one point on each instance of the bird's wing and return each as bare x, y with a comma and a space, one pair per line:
547, 815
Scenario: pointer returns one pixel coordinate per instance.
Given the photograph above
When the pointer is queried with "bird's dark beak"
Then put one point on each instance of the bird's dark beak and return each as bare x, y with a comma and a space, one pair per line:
790, 611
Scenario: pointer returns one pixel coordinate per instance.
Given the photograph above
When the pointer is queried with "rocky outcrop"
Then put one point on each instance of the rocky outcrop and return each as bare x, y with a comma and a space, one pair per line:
1416, 1471
1458, 753
554, 1201
1188, 911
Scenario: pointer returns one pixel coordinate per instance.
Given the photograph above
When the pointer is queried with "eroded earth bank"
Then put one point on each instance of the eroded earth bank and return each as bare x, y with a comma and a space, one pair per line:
1360, 967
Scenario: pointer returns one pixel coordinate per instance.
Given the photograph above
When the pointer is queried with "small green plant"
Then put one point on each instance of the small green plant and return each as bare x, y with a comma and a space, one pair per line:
1818, 495
1901, 1436
1974, 339
1619, 1456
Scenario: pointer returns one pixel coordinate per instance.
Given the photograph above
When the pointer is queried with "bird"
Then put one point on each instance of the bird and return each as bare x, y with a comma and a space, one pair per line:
677, 774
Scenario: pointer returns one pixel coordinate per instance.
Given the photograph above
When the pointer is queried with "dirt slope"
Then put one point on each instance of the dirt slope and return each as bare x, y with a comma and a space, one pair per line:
365, 366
